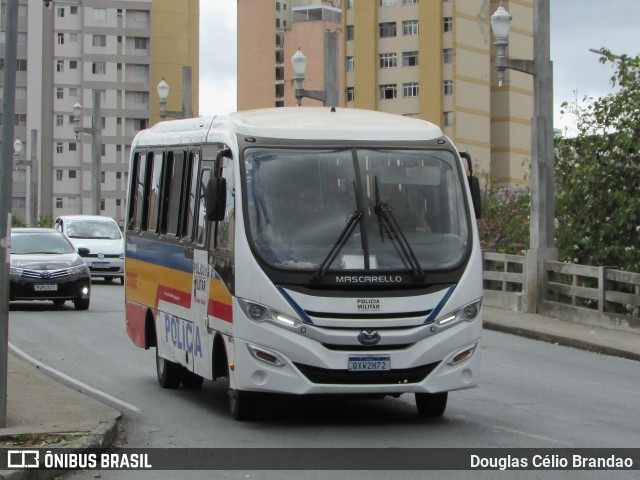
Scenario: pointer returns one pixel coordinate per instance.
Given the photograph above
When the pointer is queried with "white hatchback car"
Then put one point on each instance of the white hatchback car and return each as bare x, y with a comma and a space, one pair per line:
103, 238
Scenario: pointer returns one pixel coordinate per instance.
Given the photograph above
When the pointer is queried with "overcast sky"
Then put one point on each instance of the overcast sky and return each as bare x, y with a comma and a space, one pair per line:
576, 26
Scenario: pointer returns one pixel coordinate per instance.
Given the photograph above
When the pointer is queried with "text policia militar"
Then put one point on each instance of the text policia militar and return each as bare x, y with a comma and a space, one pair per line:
550, 462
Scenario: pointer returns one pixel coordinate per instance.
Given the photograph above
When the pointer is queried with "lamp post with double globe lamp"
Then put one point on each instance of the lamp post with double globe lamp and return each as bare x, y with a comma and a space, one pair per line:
328, 96
542, 227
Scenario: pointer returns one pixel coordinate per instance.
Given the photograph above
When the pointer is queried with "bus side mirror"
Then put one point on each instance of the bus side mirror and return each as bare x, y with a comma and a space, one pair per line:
474, 186
216, 199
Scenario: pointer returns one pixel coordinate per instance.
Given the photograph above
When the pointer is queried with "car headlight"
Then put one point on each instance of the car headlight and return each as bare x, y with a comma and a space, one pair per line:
468, 313
261, 313
78, 269
15, 271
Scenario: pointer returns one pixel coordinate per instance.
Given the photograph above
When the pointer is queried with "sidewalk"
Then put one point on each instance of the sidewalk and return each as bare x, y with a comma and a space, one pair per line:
42, 412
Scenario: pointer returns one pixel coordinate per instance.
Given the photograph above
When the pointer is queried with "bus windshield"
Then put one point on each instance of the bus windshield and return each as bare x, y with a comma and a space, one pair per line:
356, 209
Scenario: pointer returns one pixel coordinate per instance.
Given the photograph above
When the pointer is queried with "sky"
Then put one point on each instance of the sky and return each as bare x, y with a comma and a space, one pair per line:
576, 26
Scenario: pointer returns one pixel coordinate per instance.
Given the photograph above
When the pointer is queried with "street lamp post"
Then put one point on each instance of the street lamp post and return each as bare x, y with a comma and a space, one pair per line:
17, 152
96, 146
163, 94
328, 96
542, 226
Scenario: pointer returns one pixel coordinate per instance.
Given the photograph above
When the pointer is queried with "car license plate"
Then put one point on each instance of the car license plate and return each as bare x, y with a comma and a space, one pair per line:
100, 264
46, 287
369, 364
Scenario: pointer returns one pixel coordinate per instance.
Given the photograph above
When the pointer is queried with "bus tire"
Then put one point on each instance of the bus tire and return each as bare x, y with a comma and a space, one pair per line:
191, 380
241, 404
431, 404
169, 373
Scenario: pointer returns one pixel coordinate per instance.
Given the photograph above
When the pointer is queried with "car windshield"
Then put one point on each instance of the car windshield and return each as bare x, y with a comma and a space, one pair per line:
356, 209
96, 229
40, 243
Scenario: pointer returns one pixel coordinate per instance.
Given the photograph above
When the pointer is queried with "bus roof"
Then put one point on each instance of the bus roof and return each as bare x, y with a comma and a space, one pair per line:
296, 123
325, 123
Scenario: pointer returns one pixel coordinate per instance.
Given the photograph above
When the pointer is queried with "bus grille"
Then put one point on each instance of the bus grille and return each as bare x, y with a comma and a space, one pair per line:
345, 377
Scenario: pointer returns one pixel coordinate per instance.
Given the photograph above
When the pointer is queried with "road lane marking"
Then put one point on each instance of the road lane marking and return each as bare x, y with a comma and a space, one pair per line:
58, 374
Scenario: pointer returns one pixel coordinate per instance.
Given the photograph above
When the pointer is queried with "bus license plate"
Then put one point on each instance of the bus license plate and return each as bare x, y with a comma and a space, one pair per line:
45, 287
369, 364
101, 265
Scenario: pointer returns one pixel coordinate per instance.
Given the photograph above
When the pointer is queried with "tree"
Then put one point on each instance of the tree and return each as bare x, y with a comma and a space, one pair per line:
17, 222
598, 175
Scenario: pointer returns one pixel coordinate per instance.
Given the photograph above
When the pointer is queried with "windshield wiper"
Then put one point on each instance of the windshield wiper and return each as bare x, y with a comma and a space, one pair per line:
351, 225
387, 222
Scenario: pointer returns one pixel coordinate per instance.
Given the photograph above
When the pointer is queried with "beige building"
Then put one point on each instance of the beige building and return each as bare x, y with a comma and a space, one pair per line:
431, 59
122, 48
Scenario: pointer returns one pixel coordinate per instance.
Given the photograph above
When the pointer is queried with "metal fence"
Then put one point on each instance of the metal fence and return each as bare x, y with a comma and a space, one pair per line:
597, 296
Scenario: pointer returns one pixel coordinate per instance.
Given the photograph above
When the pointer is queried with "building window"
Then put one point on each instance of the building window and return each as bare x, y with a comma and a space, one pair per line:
99, 68
118, 202
448, 87
350, 64
103, 150
349, 4
59, 65
409, 59
448, 24
448, 119
388, 92
139, 123
18, 202
388, 60
277, 6
279, 91
119, 12
99, 40
22, 38
60, 93
58, 202
73, 10
142, 17
73, 37
279, 73
118, 174
410, 90
72, 147
22, 10
20, 119
387, 3
277, 23
102, 204
73, 64
73, 92
410, 27
21, 64
387, 29
58, 175
409, 2
72, 173
140, 43
21, 93
103, 177
447, 55
350, 32
59, 120
141, 98
61, 39
100, 14
59, 148
351, 96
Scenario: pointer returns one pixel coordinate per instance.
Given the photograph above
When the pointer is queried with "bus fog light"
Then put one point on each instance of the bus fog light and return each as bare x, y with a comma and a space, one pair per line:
462, 355
265, 356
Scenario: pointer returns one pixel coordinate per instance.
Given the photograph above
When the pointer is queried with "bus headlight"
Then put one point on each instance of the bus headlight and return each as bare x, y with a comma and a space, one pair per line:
468, 313
261, 313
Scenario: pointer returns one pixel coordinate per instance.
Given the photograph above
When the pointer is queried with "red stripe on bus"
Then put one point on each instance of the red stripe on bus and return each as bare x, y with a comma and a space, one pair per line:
220, 310
136, 315
176, 297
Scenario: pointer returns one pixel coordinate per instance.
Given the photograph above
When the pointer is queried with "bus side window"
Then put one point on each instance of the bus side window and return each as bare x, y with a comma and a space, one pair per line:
172, 193
136, 206
189, 199
225, 229
201, 232
154, 191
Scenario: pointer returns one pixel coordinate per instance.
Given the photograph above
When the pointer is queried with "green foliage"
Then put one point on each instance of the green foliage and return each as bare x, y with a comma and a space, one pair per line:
598, 175
17, 222
504, 226
45, 221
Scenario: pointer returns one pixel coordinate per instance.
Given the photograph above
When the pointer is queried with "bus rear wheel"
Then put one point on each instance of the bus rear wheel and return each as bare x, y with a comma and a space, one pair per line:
431, 404
169, 373
241, 404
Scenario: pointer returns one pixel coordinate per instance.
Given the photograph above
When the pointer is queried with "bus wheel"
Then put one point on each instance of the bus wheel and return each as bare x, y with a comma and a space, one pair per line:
431, 404
191, 380
241, 404
169, 373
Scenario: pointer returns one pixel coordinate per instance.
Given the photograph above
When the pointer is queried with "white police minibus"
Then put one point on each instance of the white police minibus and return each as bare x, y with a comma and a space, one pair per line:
305, 251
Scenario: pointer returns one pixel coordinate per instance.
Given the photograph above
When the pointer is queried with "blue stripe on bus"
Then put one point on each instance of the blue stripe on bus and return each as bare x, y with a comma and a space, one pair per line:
159, 253
436, 311
303, 315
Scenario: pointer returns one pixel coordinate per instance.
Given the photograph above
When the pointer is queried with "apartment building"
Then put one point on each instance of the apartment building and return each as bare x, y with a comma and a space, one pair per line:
429, 59
120, 48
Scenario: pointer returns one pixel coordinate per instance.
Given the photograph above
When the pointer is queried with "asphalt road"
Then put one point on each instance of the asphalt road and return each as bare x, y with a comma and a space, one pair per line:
532, 395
